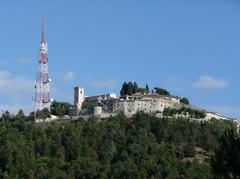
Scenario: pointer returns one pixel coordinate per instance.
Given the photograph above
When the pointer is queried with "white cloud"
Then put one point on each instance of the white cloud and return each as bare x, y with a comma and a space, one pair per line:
16, 87
209, 82
104, 84
228, 111
18, 90
68, 76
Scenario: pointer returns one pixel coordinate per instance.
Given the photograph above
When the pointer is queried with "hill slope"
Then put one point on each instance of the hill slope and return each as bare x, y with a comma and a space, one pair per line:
139, 147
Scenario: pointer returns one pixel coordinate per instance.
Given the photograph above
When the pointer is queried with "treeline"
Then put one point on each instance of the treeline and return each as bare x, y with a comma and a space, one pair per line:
130, 88
186, 111
142, 146
59, 109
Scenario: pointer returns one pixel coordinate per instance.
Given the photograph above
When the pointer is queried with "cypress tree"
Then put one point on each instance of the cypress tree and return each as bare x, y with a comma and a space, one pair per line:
135, 88
130, 88
147, 88
124, 89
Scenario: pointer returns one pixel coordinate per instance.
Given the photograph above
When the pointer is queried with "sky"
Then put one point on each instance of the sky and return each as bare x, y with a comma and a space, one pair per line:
189, 47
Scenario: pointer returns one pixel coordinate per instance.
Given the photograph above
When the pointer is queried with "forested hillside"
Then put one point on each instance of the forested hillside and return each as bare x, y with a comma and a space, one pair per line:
139, 147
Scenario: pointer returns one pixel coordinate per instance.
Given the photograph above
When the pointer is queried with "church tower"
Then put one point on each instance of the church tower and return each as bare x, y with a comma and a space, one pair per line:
79, 98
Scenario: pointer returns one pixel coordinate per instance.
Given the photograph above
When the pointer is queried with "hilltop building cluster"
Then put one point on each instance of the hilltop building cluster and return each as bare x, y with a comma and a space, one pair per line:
110, 105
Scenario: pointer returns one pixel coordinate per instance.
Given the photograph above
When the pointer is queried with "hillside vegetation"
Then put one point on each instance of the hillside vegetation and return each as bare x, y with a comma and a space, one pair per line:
142, 146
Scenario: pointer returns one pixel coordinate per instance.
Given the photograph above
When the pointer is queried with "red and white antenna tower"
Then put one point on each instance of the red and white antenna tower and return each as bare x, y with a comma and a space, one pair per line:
43, 94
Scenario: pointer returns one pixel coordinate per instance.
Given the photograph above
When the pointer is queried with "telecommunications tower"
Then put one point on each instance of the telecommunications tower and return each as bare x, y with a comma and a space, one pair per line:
42, 88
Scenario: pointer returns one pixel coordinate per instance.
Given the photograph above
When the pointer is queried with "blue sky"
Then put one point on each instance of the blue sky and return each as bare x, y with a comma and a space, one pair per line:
191, 48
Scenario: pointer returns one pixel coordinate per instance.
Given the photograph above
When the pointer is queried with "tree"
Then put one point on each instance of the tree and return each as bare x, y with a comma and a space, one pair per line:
123, 91
142, 90
147, 88
6, 116
20, 116
226, 162
130, 88
189, 150
60, 108
161, 91
43, 114
185, 101
31, 117
135, 87
193, 113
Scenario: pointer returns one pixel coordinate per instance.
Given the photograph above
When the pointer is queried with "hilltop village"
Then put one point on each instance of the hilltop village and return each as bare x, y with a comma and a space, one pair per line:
158, 101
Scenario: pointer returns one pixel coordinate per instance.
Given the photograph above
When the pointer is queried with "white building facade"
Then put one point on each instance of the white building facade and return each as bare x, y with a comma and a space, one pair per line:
148, 103
211, 115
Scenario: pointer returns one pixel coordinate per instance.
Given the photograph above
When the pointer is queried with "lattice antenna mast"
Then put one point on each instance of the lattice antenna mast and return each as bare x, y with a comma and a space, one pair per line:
42, 89
43, 32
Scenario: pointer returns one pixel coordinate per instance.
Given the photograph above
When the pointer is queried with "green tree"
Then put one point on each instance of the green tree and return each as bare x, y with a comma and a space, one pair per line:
162, 91
20, 116
60, 108
147, 88
30, 117
123, 91
43, 114
189, 150
185, 101
130, 88
135, 87
6, 116
226, 161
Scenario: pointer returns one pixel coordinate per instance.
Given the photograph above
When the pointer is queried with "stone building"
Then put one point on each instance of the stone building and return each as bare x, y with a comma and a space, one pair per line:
79, 98
105, 100
148, 103
102, 97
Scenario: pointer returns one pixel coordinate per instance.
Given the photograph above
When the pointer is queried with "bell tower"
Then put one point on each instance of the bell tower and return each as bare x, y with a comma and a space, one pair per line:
79, 98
